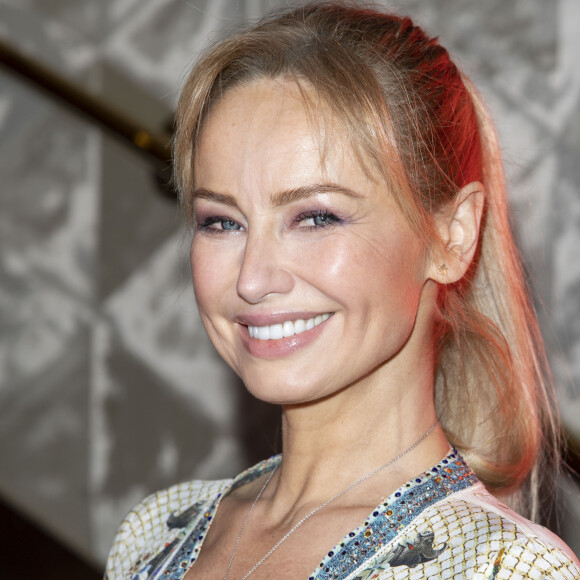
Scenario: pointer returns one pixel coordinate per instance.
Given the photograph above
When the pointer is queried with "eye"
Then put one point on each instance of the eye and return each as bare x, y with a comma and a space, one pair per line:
318, 219
229, 225
219, 224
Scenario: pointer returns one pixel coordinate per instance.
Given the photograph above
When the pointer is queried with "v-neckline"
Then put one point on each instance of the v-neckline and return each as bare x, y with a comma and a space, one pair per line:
383, 523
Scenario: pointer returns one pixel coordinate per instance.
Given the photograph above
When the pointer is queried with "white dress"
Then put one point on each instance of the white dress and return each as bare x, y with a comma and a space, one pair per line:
441, 524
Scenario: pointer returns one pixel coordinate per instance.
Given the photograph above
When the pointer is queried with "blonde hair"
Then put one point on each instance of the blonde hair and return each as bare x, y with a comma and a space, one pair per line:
409, 111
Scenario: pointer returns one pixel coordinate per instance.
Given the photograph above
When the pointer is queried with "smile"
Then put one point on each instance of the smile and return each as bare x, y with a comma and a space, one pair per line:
286, 329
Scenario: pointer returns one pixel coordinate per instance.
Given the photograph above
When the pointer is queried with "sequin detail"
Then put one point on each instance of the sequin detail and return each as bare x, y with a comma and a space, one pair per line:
192, 539
467, 534
189, 550
385, 521
396, 512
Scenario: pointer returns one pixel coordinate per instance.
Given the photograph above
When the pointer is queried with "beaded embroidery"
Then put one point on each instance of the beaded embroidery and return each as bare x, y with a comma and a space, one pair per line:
145, 567
441, 524
451, 475
394, 514
195, 523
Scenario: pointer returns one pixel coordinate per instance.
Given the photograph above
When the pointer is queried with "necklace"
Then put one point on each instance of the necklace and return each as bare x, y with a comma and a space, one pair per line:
315, 510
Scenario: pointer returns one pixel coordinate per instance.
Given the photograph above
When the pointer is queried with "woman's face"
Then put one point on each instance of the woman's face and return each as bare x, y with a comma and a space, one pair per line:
306, 274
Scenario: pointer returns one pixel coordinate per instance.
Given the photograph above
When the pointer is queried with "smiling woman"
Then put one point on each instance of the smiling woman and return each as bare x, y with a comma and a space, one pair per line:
277, 205
349, 218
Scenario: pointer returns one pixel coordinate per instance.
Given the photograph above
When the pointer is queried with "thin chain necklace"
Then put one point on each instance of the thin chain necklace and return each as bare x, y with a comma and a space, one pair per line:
315, 510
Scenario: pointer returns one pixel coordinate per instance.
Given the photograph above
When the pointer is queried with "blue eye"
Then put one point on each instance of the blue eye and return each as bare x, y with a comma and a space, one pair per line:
229, 225
318, 219
218, 224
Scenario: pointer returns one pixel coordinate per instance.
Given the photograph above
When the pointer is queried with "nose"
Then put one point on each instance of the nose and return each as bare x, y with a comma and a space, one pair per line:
262, 272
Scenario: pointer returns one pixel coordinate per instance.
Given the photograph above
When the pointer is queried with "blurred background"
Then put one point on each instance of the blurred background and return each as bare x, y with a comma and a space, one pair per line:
109, 388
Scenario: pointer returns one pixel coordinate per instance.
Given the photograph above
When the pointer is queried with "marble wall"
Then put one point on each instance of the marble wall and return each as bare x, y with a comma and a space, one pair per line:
109, 388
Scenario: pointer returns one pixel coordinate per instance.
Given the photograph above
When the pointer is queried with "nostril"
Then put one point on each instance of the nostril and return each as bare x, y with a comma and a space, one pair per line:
262, 273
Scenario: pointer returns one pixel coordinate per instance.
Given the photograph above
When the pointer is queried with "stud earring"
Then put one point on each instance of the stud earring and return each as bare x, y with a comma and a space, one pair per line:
442, 269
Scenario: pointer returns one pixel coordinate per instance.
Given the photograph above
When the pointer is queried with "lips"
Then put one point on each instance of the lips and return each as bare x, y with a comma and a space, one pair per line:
287, 328
278, 335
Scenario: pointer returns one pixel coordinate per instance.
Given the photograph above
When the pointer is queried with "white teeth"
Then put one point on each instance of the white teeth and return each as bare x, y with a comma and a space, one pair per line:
288, 328
276, 331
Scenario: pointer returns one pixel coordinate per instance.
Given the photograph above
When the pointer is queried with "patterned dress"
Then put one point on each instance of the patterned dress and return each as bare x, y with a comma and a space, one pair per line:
441, 524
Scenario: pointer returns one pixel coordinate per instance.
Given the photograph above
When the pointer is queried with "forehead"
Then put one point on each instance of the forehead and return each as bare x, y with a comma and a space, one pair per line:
256, 112
274, 127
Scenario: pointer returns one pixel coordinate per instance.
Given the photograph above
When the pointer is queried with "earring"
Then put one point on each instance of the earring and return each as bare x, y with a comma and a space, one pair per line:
442, 269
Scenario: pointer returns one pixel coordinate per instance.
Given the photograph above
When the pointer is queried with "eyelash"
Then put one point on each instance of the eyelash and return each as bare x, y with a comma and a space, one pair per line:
207, 224
332, 219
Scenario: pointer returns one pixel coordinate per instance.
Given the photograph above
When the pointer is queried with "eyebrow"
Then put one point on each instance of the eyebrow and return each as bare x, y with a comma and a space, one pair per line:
280, 198
202, 193
305, 191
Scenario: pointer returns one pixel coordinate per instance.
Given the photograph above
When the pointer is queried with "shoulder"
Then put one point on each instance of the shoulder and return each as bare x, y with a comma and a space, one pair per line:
470, 534
154, 522
496, 538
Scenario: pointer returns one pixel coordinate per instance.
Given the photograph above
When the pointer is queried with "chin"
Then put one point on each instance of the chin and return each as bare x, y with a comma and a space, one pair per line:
276, 390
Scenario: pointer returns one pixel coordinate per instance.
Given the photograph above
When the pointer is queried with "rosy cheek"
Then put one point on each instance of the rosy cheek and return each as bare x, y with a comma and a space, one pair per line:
352, 260
215, 267
201, 269
335, 263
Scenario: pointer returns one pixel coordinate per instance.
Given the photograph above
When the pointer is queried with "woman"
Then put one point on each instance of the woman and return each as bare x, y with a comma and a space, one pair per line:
352, 262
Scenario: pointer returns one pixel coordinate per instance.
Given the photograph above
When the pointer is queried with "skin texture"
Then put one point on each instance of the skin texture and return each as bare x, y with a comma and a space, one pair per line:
367, 269
280, 236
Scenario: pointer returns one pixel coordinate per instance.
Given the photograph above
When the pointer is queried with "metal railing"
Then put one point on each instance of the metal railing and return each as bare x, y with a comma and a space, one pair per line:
152, 144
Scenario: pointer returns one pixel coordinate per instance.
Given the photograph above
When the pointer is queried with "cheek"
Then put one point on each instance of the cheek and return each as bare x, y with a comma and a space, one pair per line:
198, 269
383, 273
209, 270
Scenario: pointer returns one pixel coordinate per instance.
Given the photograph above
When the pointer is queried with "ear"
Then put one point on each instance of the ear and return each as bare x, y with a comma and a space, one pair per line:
458, 226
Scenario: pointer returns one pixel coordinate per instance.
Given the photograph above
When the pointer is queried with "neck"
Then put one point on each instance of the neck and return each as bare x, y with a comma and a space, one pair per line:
329, 444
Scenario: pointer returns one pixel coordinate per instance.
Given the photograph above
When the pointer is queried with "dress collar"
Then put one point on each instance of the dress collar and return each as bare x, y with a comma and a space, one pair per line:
450, 475
358, 547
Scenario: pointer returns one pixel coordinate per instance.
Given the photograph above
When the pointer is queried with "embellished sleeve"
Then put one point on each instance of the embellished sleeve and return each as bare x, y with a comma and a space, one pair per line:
524, 558
154, 525
470, 538
528, 558
126, 544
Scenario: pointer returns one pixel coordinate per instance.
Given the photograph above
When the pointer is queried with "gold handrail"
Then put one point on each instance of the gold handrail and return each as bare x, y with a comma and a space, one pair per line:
83, 102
